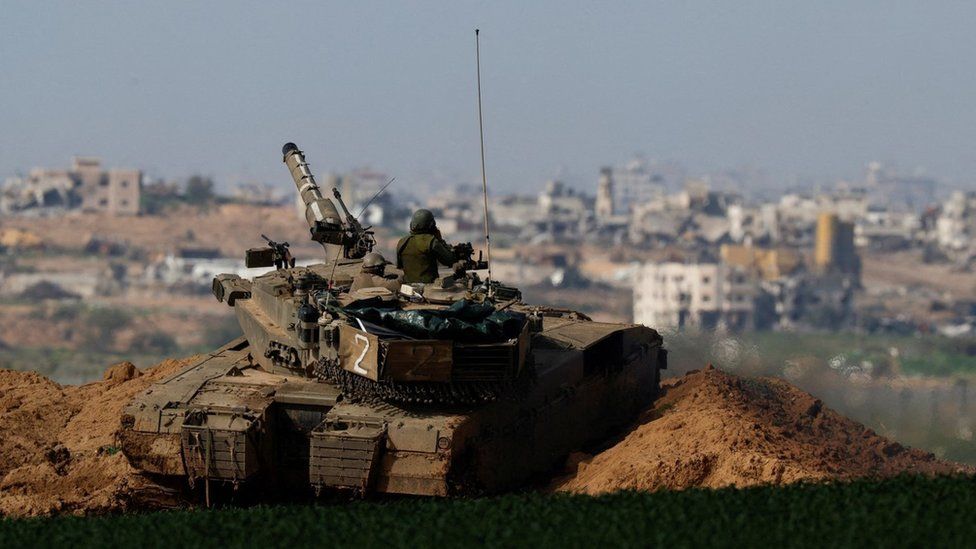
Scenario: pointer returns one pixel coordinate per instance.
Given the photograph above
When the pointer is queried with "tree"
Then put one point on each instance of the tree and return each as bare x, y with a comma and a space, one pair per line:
199, 190
159, 343
220, 332
47, 290
100, 326
157, 196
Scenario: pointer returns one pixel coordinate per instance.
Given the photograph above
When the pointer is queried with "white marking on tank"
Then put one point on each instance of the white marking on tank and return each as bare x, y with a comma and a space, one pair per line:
357, 366
319, 216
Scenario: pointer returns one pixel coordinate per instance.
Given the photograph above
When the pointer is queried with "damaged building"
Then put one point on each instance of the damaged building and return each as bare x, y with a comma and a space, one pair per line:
85, 186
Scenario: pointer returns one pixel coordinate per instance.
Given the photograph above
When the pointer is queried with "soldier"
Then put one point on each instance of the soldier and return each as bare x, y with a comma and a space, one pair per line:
419, 253
373, 275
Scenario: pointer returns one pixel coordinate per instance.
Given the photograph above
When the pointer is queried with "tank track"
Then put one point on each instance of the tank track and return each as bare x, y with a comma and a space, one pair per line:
354, 386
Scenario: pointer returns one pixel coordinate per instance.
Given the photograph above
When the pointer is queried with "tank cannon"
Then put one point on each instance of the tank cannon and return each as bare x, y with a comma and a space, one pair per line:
325, 223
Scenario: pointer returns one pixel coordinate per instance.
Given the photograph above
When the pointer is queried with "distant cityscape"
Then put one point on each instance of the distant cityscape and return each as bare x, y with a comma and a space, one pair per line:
692, 253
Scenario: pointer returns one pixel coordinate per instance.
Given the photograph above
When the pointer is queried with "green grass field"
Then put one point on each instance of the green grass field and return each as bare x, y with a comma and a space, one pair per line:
767, 352
901, 512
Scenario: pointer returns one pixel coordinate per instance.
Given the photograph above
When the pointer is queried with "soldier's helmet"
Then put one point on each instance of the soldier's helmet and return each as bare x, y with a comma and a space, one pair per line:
374, 262
422, 221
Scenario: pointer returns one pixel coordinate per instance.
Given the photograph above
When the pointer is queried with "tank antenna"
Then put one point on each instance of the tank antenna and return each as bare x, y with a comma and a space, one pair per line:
484, 178
379, 192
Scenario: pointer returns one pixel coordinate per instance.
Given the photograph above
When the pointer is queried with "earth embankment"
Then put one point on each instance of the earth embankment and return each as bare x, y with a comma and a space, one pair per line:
59, 445
713, 429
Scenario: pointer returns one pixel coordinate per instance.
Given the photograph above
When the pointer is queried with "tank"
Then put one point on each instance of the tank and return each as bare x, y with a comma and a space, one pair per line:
449, 388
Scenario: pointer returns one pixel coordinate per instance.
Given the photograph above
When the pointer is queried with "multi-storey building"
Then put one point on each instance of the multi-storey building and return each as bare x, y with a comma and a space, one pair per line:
956, 224
634, 184
85, 185
699, 295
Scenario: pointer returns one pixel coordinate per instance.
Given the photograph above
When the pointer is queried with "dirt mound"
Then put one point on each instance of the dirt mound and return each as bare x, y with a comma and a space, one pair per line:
123, 371
59, 453
58, 448
712, 429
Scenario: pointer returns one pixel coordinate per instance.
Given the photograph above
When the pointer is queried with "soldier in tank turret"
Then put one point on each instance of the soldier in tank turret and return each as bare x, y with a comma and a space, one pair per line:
373, 274
419, 253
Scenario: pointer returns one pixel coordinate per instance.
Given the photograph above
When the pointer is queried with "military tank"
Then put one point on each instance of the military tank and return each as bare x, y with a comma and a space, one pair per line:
453, 387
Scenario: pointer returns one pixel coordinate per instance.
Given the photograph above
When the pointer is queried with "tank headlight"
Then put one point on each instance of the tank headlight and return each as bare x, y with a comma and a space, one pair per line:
443, 443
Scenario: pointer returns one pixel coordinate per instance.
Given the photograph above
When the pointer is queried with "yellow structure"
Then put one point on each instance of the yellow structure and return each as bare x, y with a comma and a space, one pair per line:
20, 239
768, 263
834, 246
823, 248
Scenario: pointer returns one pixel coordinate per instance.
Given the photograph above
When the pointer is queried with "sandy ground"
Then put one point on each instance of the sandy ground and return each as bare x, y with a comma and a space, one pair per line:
906, 269
231, 227
36, 326
59, 453
712, 429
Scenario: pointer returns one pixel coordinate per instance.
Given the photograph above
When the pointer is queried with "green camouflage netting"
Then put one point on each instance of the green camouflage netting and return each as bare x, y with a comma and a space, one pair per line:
463, 321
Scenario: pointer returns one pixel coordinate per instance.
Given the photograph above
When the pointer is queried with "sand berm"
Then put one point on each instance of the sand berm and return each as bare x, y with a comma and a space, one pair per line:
59, 444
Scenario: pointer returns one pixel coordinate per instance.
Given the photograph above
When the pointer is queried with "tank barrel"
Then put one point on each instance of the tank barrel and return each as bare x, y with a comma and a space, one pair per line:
321, 214
324, 221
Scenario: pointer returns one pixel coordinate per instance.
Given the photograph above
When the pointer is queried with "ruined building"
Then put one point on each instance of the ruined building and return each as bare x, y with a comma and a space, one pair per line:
86, 185
635, 183
705, 295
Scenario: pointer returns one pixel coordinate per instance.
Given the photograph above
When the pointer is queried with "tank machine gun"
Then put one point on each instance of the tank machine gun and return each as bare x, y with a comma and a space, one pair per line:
464, 254
281, 254
325, 224
277, 254
479, 289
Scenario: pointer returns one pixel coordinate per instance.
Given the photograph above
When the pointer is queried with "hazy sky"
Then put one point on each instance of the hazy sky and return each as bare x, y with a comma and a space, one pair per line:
811, 88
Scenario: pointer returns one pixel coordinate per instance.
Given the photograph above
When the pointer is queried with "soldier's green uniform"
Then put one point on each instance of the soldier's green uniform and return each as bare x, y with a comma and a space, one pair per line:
419, 253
